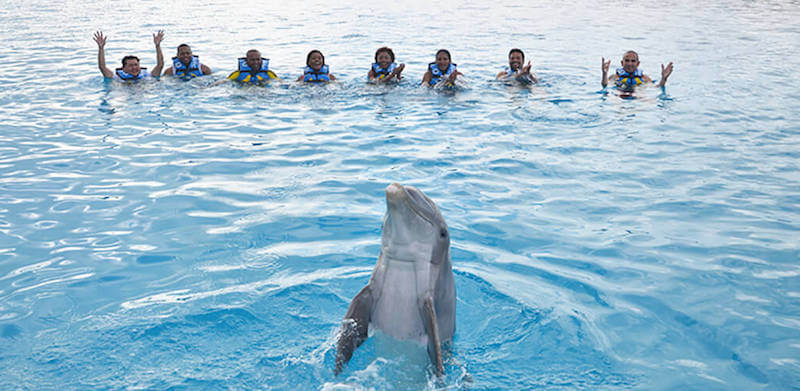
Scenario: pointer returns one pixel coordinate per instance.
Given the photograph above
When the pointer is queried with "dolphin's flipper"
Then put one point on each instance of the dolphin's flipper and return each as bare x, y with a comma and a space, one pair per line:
354, 327
432, 329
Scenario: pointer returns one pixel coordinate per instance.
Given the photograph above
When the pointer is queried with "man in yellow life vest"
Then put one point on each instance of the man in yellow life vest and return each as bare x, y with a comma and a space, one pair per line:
629, 75
253, 69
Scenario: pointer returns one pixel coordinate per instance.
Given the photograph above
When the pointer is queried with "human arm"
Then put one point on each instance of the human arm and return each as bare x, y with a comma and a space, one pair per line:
426, 80
206, 70
604, 66
101, 55
169, 72
396, 72
157, 38
332, 77
665, 72
454, 75
300, 78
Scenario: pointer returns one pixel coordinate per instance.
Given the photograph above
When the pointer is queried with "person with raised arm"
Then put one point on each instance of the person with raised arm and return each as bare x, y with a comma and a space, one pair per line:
629, 75
130, 71
515, 70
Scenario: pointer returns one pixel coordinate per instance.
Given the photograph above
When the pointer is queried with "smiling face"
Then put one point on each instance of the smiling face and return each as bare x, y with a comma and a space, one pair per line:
384, 59
315, 60
253, 59
185, 54
131, 66
630, 61
442, 60
515, 60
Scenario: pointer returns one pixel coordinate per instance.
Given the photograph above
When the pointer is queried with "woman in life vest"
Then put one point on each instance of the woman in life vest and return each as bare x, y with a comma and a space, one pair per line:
441, 71
384, 69
316, 71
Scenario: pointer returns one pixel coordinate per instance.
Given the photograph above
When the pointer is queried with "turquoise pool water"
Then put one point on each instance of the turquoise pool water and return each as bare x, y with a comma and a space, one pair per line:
180, 236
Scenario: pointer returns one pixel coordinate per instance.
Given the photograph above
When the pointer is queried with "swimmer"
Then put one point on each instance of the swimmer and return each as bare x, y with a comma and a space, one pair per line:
384, 69
185, 65
515, 70
130, 71
316, 71
629, 74
441, 71
253, 69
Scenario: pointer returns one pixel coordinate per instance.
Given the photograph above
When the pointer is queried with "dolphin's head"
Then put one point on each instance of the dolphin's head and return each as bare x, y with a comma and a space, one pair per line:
414, 231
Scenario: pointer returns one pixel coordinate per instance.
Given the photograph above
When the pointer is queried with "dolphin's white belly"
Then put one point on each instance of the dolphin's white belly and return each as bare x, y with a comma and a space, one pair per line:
396, 311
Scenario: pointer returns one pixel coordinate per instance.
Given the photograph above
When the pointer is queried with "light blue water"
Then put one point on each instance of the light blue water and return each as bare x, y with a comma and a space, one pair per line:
170, 236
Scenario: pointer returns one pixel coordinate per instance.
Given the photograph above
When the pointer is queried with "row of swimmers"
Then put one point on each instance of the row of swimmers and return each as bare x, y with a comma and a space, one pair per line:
254, 69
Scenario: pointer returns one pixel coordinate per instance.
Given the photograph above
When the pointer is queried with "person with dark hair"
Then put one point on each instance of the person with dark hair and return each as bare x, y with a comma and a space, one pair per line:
253, 69
629, 75
185, 65
515, 70
130, 70
316, 71
443, 71
384, 69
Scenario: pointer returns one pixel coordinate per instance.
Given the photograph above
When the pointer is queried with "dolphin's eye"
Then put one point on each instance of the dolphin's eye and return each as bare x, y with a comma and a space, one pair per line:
443, 233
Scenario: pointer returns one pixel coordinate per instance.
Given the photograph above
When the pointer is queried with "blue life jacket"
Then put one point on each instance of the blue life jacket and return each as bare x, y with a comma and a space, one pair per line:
437, 73
380, 73
184, 72
121, 75
626, 79
248, 75
312, 76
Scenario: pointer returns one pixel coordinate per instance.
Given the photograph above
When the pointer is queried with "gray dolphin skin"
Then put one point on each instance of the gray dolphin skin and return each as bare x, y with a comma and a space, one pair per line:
411, 294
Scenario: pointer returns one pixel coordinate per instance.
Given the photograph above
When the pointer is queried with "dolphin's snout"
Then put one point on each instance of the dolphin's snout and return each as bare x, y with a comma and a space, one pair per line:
394, 192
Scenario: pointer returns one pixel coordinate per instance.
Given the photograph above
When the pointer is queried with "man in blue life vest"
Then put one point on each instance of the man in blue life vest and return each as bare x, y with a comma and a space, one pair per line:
253, 69
130, 70
629, 75
515, 70
185, 65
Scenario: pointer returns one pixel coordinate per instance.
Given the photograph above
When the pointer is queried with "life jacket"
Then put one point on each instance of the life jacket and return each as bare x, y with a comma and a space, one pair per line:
627, 79
312, 76
508, 71
380, 73
121, 75
186, 72
437, 73
247, 75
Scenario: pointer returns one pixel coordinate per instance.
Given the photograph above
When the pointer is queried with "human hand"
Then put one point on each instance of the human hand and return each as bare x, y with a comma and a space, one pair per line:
158, 37
605, 64
666, 71
453, 76
399, 69
526, 70
100, 39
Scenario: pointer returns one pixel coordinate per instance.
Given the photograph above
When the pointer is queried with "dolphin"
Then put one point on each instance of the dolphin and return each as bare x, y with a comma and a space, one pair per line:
411, 293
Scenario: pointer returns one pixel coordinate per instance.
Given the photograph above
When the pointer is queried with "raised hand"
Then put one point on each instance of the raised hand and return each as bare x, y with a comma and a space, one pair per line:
526, 70
100, 39
158, 37
666, 71
398, 69
605, 64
